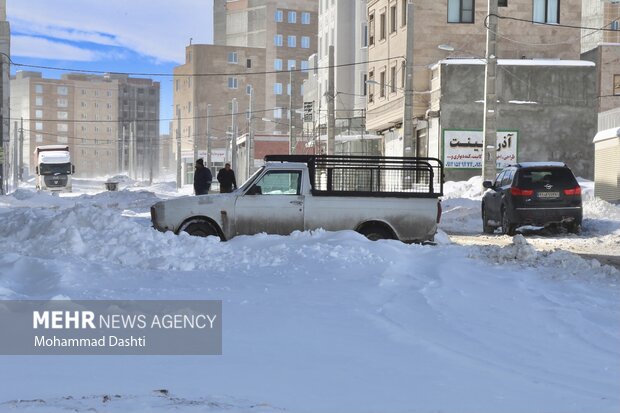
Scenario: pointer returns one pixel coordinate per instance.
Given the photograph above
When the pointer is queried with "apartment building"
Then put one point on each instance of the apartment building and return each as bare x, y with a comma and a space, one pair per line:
5, 50
204, 89
82, 111
459, 24
287, 30
603, 48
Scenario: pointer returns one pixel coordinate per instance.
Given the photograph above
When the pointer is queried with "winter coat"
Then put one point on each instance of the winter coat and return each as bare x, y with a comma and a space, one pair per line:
227, 180
202, 180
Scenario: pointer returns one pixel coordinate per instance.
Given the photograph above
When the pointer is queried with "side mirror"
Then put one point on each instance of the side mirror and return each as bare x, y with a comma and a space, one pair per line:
72, 168
487, 184
255, 190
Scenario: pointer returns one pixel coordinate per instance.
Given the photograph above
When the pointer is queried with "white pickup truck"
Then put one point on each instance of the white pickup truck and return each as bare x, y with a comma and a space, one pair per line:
380, 197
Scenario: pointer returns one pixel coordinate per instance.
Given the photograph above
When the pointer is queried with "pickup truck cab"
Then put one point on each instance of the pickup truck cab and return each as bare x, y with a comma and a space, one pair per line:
298, 192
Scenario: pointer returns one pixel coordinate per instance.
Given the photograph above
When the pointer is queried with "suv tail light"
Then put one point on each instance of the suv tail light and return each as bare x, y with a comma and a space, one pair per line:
573, 191
521, 192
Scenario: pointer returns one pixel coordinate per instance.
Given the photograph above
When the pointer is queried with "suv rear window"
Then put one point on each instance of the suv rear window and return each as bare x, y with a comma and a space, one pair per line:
539, 177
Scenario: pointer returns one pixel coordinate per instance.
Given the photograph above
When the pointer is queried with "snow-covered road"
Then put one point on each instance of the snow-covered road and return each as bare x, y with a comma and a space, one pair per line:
321, 321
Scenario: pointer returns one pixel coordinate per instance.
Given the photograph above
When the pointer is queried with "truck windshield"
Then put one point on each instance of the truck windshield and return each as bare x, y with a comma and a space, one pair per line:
55, 168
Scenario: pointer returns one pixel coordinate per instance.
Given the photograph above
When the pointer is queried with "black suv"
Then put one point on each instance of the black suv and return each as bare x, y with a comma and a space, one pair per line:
532, 193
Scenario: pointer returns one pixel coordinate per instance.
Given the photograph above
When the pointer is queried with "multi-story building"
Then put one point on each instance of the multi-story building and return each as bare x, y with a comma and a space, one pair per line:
459, 24
287, 30
204, 89
344, 26
603, 47
82, 111
5, 42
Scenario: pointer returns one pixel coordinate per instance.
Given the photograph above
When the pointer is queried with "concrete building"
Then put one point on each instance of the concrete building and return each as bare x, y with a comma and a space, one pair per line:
344, 25
233, 72
5, 52
82, 111
461, 26
546, 110
287, 30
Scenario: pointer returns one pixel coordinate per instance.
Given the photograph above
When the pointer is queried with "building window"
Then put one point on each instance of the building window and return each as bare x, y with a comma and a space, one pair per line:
304, 65
393, 22
38, 88
62, 127
292, 17
62, 115
62, 103
460, 11
279, 16
614, 25
38, 114
546, 11
248, 63
371, 30
38, 101
382, 84
248, 90
616, 84
364, 85
288, 89
292, 41
403, 12
232, 57
39, 137
305, 42
109, 105
277, 88
232, 83
109, 93
277, 40
189, 105
364, 32
382, 26
277, 113
62, 90
38, 125
62, 139
371, 86
177, 83
393, 79
291, 64
277, 64
502, 3
305, 17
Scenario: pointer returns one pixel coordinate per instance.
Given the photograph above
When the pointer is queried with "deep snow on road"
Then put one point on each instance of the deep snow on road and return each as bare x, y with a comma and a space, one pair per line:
321, 321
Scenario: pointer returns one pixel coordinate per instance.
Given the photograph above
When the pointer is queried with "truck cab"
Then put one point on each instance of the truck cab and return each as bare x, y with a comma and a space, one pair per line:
54, 168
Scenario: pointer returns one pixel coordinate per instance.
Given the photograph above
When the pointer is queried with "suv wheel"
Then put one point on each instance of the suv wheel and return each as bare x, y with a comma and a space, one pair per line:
573, 227
486, 228
508, 228
201, 229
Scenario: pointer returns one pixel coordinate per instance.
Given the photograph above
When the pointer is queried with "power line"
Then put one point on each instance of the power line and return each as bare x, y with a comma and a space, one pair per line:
567, 26
112, 73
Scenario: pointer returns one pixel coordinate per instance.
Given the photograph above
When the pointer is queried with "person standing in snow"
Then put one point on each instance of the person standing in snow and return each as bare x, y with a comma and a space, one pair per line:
202, 178
226, 178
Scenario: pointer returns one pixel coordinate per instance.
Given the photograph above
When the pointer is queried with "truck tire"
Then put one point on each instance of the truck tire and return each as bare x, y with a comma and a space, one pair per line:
376, 232
201, 229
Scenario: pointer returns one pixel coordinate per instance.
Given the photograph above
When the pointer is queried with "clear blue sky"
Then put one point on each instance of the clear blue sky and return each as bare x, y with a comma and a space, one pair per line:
146, 36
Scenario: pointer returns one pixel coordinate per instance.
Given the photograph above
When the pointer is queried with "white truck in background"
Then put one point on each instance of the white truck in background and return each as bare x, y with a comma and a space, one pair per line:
54, 168
379, 197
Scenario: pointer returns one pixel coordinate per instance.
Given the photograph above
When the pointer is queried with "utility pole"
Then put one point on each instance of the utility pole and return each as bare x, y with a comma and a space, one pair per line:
151, 157
489, 160
132, 143
208, 136
331, 115
123, 150
409, 142
291, 127
21, 150
178, 149
15, 155
250, 141
233, 160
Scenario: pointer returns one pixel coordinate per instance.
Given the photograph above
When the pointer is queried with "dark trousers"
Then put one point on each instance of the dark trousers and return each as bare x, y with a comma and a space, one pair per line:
224, 189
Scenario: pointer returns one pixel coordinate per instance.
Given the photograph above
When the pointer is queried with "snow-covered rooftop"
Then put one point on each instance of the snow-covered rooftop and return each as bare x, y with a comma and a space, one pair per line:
520, 62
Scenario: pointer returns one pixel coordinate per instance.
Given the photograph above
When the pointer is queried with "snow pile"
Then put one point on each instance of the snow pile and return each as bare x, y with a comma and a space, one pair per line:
565, 264
471, 189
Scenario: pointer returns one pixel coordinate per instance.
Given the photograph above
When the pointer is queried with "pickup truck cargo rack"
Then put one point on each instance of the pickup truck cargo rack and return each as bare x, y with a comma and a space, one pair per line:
378, 176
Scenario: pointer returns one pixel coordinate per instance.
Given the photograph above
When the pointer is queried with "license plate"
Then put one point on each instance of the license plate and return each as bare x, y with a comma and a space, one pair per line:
548, 195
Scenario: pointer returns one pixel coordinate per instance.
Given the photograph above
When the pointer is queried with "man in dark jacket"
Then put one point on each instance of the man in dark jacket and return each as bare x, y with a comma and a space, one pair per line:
202, 178
226, 178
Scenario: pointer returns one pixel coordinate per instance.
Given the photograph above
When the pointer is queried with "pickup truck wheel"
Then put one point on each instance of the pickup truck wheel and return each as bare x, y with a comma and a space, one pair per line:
486, 228
201, 229
376, 232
